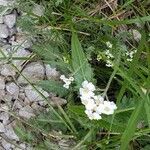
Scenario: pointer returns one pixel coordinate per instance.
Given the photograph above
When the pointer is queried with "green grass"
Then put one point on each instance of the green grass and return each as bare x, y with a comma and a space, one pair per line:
73, 40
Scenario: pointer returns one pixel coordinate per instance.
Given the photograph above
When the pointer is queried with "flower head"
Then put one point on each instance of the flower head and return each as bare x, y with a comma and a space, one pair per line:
67, 81
107, 107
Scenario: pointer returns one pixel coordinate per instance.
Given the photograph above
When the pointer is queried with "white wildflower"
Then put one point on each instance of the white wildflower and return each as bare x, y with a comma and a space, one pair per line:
88, 85
95, 104
107, 107
98, 99
108, 54
109, 45
109, 63
67, 81
87, 90
93, 115
130, 55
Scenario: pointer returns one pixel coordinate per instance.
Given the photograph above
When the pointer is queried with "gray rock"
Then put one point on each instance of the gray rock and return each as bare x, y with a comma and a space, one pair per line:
33, 95
20, 53
13, 89
7, 70
2, 83
4, 32
6, 145
51, 73
1, 19
33, 72
2, 94
2, 128
10, 133
21, 42
10, 20
26, 112
4, 117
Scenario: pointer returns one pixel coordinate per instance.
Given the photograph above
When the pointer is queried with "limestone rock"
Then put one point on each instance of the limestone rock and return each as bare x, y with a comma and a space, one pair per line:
2, 83
2, 128
7, 70
13, 89
10, 20
26, 112
4, 32
33, 95
10, 133
33, 72
51, 73
4, 117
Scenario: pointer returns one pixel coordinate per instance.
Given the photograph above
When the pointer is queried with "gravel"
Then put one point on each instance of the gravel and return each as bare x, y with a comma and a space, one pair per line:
16, 93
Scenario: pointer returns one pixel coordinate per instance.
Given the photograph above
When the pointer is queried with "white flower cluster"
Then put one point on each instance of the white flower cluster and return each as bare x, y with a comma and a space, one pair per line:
130, 55
109, 55
67, 81
95, 104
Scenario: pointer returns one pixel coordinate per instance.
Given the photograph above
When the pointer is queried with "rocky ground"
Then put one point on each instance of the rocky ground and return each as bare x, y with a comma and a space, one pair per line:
16, 94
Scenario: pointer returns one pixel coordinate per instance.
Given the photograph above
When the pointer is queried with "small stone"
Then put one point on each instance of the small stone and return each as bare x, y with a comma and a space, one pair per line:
36, 107
2, 83
10, 20
33, 72
2, 128
20, 53
10, 133
4, 32
22, 95
1, 19
4, 117
26, 112
22, 147
33, 95
38, 10
51, 73
6, 145
7, 70
13, 89
2, 94
22, 42
57, 101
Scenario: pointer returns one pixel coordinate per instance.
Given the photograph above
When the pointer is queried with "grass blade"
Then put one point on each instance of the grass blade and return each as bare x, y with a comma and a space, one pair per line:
131, 127
81, 67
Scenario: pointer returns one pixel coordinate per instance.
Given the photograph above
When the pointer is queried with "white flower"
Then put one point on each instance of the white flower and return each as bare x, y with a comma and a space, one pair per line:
88, 85
90, 105
86, 93
108, 54
96, 116
93, 115
109, 45
62, 77
89, 114
109, 63
67, 81
107, 108
98, 99
87, 89
66, 86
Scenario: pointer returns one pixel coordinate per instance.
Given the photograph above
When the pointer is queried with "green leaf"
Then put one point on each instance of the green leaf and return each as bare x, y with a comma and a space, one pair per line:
53, 86
47, 51
147, 109
131, 126
81, 67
